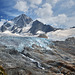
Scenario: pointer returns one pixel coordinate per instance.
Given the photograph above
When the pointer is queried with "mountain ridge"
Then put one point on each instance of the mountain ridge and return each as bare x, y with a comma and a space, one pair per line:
24, 55
37, 25
17, 24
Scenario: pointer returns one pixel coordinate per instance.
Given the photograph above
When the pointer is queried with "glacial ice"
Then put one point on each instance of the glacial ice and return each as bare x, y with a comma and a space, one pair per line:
20, 42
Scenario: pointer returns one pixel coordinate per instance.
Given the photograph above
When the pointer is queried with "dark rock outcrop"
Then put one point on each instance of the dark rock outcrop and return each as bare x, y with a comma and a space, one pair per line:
17, 24
37, 25
42, 36
22, 20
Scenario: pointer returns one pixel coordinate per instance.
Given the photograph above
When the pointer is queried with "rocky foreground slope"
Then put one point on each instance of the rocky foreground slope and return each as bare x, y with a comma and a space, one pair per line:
35, 56
68, 45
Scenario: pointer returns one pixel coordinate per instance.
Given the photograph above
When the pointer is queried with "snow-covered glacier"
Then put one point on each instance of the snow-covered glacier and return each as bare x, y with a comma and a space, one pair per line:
19, 43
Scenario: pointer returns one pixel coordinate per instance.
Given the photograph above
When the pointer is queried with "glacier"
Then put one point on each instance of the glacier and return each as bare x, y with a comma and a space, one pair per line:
19, 43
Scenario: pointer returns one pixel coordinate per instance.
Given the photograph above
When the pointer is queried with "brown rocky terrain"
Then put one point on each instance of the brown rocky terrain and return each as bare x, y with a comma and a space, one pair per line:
68, 45
36, 60
42, 36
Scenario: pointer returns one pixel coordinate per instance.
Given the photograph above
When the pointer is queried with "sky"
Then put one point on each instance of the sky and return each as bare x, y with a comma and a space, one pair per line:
58, 13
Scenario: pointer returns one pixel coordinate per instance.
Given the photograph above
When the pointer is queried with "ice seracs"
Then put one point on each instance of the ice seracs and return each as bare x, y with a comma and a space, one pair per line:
20, 42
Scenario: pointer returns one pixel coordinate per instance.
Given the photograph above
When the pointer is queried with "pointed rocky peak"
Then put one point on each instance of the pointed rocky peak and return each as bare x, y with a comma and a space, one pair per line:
37, 22
22, 16
39, 26
22, 20
17, 24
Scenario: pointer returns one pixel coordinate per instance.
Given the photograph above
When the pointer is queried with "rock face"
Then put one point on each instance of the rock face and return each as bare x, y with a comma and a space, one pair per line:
34, 56
37, 25
22, 20
17, 24
21, 55
68, 45
24, 24
42, 36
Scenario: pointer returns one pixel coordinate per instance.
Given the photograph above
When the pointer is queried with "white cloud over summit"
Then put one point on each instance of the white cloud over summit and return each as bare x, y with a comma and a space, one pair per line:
52, 2
21, 5
45, 11
56, 21
35, 1
45, 15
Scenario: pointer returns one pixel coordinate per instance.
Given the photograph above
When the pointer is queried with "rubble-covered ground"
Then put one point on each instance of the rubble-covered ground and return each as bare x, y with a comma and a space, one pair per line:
68, 45
37, 56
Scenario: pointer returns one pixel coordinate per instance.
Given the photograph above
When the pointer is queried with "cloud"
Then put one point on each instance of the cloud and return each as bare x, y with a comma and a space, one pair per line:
2, 21
59, 21
52, 2
52, 12
61, 35
63, 21
45, 11
61, 18
70, 22
35, 2
25, 5
21, 5
56, 21
45, 15
33, 6
68, 4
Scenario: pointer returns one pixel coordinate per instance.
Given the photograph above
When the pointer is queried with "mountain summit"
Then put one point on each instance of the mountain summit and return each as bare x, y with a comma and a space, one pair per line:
24, 24
17, 24
39, 26
22, 20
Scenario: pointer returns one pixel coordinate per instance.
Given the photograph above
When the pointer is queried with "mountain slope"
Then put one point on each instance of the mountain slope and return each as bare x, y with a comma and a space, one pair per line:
34, 56
38, 26
17, 24
24, 24
22, 20
68, 45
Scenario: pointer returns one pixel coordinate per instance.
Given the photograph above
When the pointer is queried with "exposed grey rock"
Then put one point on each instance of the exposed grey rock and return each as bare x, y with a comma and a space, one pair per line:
68, 45
35, 59
22, 20
37, 25
17, 24
3, 28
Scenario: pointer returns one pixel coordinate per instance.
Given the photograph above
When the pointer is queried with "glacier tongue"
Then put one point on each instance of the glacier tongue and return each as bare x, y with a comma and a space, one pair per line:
19, 43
